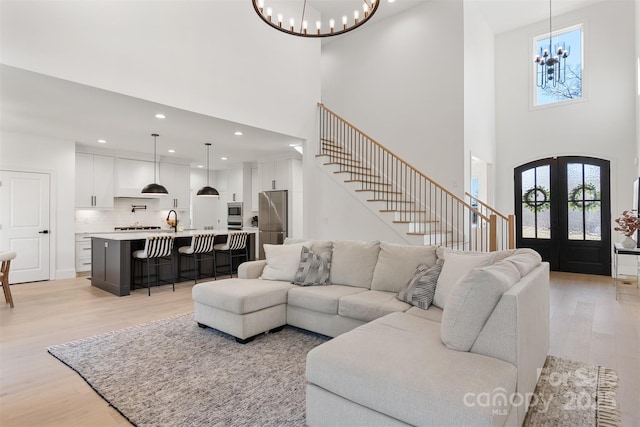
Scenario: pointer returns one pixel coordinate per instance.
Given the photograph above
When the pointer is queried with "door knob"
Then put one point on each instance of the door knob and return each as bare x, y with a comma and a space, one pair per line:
43, 232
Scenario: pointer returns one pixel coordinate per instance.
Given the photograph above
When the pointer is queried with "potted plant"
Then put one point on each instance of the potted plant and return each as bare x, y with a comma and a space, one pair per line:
628, 224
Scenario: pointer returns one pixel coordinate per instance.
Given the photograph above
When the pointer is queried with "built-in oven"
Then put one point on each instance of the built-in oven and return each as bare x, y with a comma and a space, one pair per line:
234, 215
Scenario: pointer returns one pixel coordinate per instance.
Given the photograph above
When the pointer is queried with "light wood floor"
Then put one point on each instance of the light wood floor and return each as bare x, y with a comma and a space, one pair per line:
587, 324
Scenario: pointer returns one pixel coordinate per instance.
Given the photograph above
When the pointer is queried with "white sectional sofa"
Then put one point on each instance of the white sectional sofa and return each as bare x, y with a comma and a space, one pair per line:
470, 358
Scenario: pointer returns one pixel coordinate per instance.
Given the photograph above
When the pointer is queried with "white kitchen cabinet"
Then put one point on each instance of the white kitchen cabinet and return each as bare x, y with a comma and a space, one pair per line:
276, 174
234, 185
83, 253
132, 176
176, 179
255, 188
94, 181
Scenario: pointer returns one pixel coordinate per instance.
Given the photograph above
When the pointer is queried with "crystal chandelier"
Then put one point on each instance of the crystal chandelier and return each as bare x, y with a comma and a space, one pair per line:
296, 23
551, 70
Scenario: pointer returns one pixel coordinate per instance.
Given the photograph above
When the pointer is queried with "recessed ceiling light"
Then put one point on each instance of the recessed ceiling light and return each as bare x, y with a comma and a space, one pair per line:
102, 141
293, 145
200, 166
223, 158
160, 116
172, 150
237, 133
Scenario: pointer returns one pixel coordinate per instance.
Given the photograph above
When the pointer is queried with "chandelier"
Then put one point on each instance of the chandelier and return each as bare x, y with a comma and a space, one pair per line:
551, 70
297, 23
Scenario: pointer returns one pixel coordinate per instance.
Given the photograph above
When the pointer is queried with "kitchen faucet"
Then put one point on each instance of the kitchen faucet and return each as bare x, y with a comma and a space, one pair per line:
175, 224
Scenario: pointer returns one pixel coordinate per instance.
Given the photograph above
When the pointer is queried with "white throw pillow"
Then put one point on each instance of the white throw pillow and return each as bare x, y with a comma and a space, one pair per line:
353, 262
397, 265
472, 301
456, 265
282, 261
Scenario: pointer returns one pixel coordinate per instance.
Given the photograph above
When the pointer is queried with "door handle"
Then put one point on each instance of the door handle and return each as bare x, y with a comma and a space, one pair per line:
43, 232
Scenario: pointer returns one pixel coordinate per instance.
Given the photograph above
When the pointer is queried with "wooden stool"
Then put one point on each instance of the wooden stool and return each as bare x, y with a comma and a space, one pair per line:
6, 258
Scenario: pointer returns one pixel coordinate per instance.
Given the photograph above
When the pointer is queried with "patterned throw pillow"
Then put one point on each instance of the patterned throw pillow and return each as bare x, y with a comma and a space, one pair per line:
313, 269
421, 288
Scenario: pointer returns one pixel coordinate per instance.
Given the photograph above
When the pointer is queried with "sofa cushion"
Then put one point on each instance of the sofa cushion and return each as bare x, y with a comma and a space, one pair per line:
317, 246
397, 365
353, 262
323, 299
456, 265
241, 296
282, 261
397, 264
525, 260
433, 313
421, 288
367, 306
471, 302
313, 269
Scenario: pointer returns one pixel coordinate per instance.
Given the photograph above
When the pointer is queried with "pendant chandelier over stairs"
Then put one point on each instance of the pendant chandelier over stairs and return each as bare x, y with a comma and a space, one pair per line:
294, 20
551, 70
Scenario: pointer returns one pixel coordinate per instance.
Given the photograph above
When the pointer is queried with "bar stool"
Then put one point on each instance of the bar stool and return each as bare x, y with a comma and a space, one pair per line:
6, 258
156, 249
201, 248
235, 247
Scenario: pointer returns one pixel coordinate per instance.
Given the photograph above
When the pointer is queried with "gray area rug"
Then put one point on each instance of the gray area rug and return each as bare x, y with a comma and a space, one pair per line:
173, 373
572, 393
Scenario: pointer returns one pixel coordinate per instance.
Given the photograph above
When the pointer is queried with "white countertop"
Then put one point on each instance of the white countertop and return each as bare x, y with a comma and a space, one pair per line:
141, 235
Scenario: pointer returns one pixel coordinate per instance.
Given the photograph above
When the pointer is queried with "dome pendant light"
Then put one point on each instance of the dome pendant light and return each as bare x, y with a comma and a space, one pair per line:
207, 191
154, 188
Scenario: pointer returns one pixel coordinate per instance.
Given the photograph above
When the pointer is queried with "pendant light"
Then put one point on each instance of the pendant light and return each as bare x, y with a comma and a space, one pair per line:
154, 188
207, 191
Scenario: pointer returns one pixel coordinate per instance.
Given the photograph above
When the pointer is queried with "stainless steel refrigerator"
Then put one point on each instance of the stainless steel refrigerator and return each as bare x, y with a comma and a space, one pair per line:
272, 218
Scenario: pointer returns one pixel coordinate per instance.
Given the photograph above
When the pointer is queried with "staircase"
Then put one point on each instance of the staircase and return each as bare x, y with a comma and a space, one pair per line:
428, 213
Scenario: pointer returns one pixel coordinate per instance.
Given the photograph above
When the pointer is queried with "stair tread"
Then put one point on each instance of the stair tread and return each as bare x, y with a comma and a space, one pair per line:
360, 190
424, 233
333, 156
346, 164
369, 182
400, 211
359, 173
390, 201
335, 149
434, 221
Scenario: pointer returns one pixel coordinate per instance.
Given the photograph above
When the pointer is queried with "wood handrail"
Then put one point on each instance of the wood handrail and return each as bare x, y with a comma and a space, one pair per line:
505, 217
382, 147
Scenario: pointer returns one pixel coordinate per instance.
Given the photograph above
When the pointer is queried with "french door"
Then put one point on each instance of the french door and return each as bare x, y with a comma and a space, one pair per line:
563, 212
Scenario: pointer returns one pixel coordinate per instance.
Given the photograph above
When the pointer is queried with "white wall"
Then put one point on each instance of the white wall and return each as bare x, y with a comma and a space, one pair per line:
211, 57
30, 153
602, 125
637, 88
400, 81
479, 96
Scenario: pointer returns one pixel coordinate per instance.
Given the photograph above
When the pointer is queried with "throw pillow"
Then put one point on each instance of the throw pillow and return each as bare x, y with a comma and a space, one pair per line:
456, 265
421, 288
353, 262
472, 301
282, 261
397, 263
313, 269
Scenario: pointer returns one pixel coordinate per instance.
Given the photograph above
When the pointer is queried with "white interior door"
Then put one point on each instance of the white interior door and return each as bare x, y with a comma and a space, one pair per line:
24, 224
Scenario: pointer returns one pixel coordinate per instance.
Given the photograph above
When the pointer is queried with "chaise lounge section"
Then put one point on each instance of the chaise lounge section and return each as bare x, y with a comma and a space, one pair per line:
469, 357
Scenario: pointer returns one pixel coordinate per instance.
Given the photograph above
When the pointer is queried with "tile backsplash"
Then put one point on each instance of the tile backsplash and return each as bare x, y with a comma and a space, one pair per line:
93, 220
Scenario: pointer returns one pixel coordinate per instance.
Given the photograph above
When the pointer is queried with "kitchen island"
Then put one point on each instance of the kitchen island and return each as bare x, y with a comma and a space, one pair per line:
112, 261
